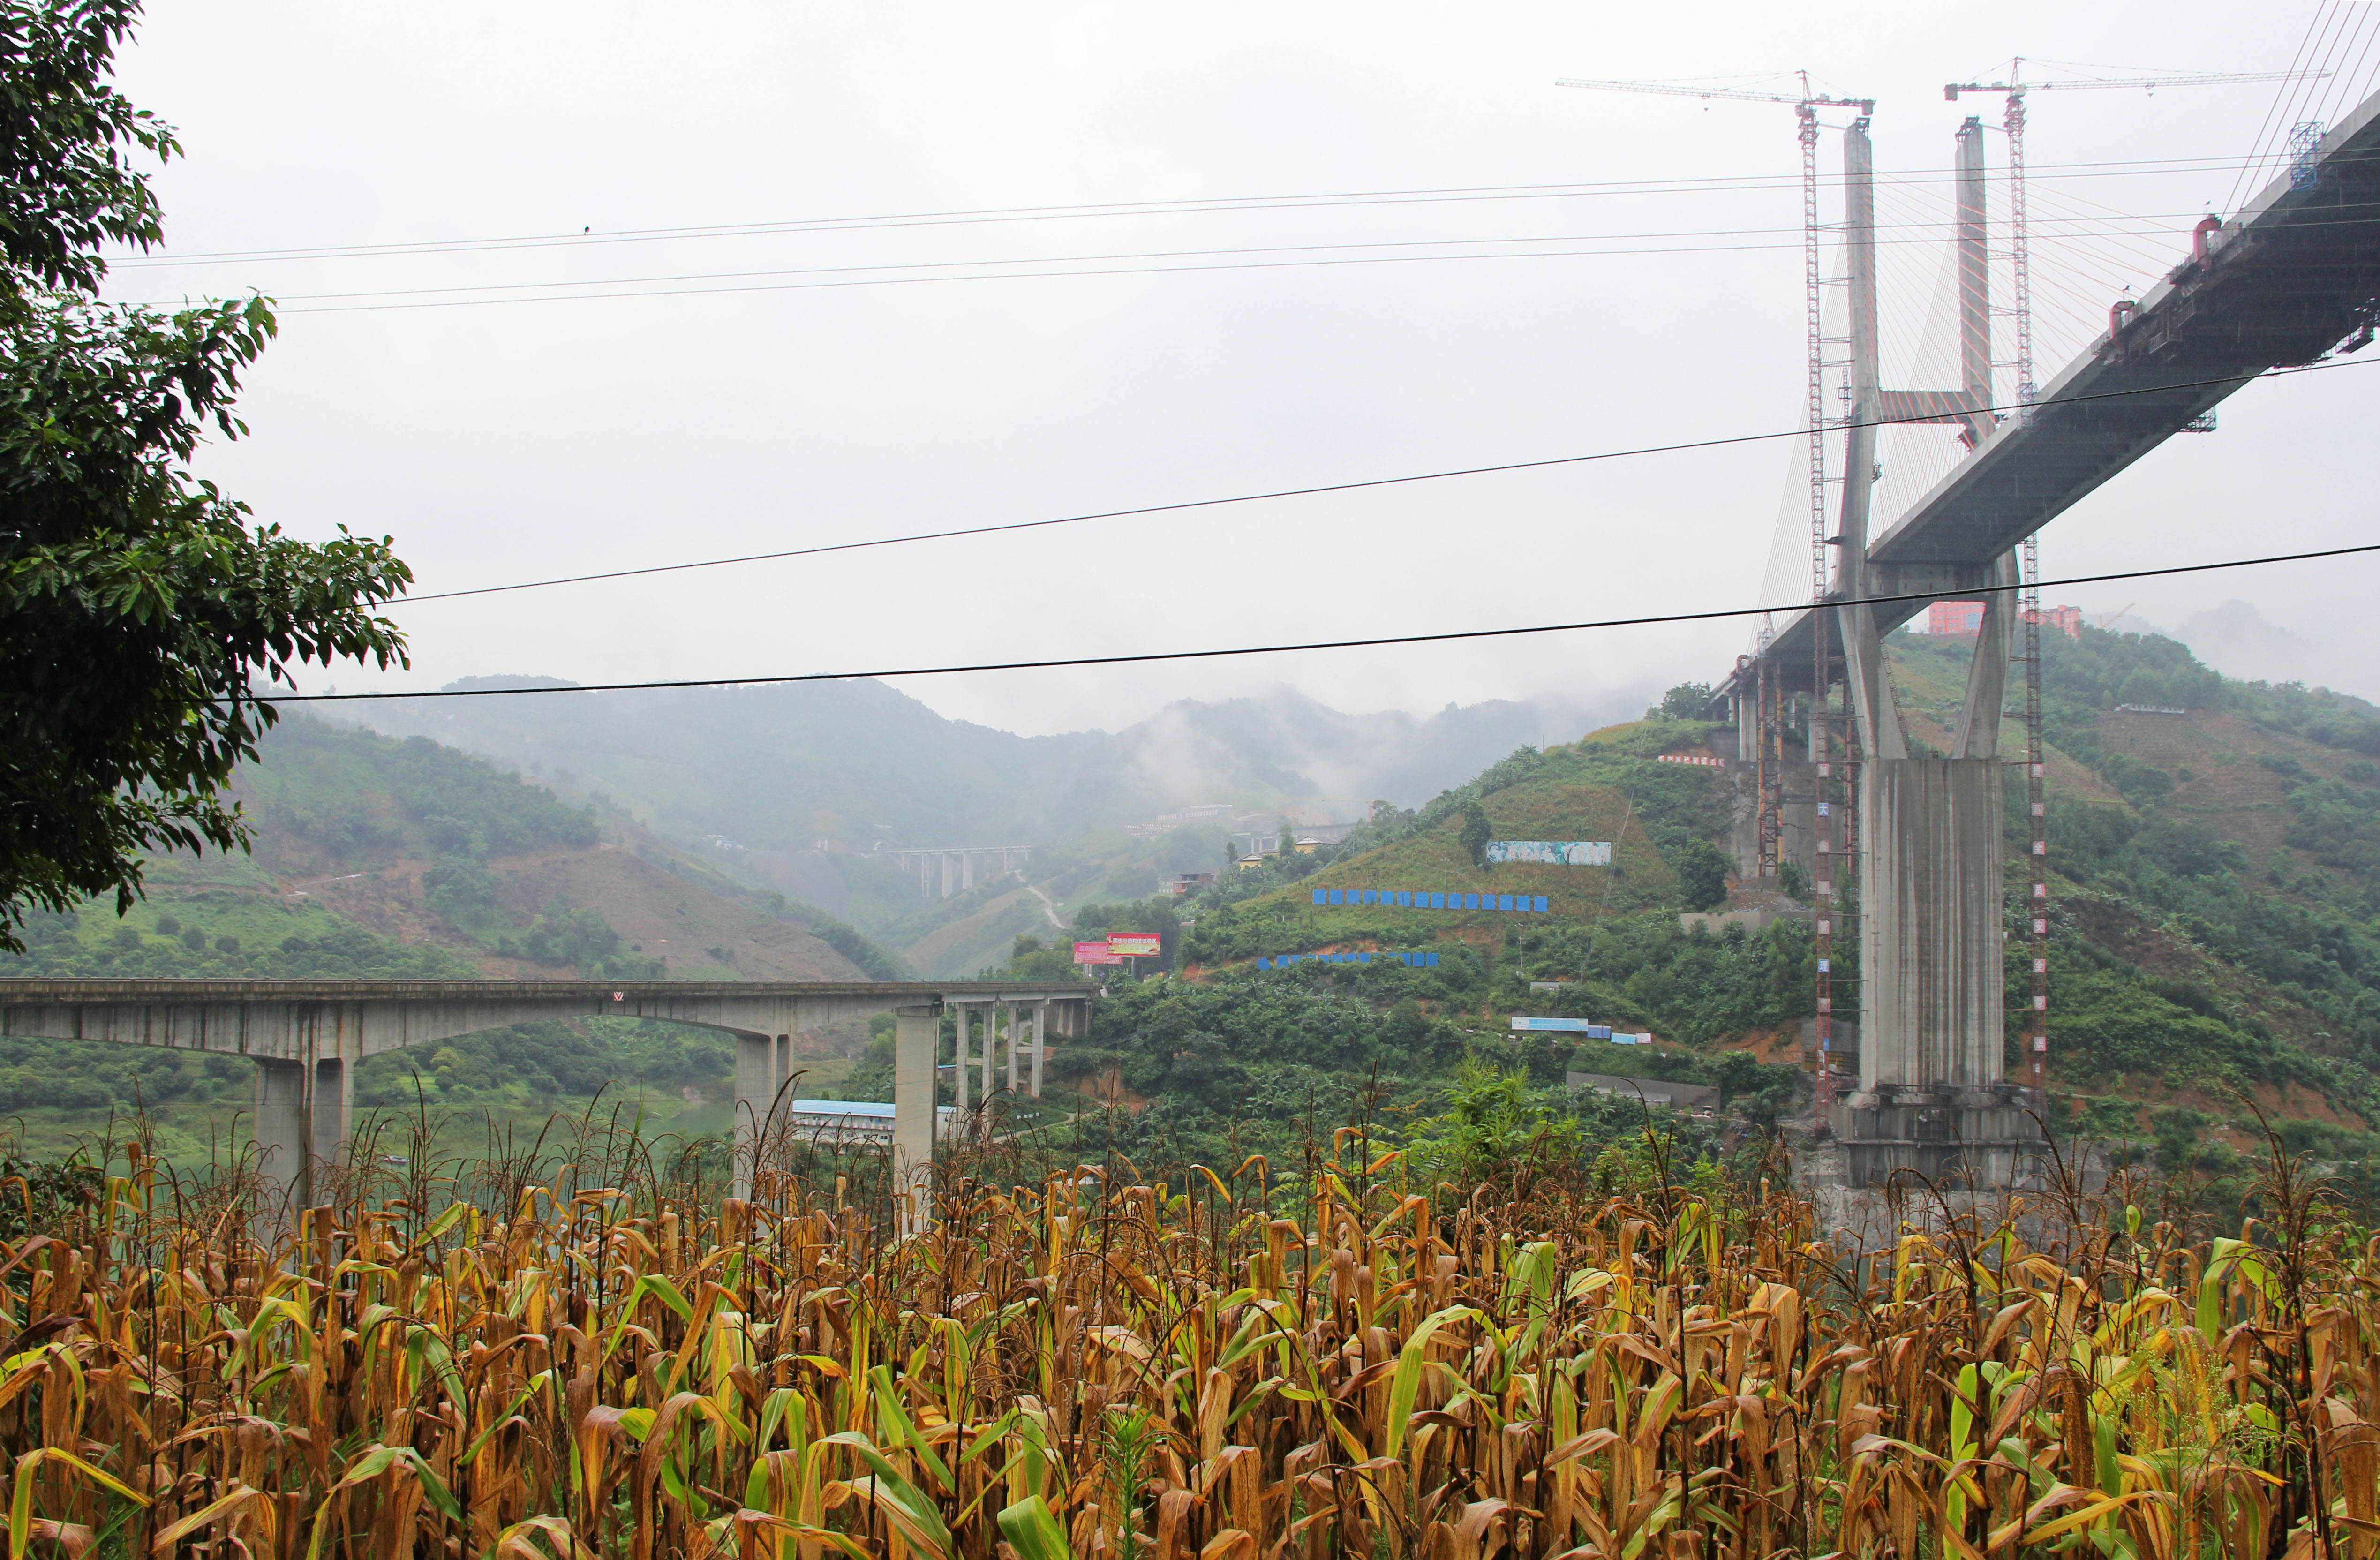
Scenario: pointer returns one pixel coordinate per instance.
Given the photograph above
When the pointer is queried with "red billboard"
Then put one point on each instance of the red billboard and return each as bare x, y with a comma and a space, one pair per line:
1095, 953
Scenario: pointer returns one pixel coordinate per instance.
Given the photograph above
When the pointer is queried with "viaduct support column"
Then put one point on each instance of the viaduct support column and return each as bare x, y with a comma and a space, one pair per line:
1040, 1043
760, 1113
916, 1036
332, 1110
284, 1132
959, 1011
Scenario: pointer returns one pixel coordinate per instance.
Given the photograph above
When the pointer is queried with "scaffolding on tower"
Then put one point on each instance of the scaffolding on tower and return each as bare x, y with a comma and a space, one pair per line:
2019, 253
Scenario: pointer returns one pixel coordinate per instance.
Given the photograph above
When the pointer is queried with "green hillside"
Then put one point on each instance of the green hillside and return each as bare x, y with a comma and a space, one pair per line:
1224, 1059
429, 844
1608, 787
2214, 962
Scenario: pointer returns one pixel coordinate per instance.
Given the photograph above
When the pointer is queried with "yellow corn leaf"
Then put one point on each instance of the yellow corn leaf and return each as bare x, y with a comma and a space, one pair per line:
237, 1497
514, 1543
21, 1498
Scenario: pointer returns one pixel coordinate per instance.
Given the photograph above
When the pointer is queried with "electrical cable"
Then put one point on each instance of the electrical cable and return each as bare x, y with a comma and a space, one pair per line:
2287, 94
1929, 234
1722, 184
1330, 487
633, 288
1146, 657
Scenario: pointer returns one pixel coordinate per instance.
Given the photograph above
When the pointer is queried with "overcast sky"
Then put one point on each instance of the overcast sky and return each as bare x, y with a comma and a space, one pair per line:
543, 436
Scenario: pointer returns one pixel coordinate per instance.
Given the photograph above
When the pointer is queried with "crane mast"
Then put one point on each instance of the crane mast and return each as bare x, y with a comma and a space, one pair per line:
1770, 702
2020, 306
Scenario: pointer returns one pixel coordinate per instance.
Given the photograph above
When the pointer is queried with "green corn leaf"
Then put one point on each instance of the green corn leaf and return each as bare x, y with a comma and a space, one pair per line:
895, 1418
1033, 1532
1404, 1386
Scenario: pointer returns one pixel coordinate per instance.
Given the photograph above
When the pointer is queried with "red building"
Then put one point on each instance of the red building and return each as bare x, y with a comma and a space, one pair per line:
1954, 618
1964, 617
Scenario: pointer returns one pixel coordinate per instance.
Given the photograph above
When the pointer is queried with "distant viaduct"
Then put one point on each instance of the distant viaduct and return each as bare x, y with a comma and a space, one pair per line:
306, 1037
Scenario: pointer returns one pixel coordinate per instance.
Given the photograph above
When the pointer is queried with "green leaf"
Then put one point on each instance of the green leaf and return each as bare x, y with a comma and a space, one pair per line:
893, 1417
1033, 1532
1404, 1386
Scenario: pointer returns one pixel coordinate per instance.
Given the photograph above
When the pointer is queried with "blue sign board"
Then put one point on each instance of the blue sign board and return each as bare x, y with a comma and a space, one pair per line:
1416, 899
1282, 961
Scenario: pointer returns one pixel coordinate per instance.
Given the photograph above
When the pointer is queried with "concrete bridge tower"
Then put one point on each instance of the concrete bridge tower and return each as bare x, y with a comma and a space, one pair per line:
1932, 1096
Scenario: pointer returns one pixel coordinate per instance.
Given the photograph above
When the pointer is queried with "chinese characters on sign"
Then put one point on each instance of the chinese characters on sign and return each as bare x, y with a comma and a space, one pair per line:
1552, 852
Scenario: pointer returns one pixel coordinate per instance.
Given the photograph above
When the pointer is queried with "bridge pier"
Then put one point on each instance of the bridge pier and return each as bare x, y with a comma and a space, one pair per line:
283, 1132
1933, 1110
1040, 1043
916, 1036
303, 1115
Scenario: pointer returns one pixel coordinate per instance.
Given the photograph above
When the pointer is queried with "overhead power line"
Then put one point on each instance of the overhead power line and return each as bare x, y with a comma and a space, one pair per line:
1314, 491
959, 271
1722, 184
2092, 225
1147, 657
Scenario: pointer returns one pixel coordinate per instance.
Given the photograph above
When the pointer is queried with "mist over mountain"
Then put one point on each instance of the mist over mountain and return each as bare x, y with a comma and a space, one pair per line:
860, 763
2240, 641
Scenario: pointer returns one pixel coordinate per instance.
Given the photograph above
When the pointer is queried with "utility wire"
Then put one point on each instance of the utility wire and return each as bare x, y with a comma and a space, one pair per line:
1928, 232
636, 287
1329, 487
1723, 184
1286, 649
879, 275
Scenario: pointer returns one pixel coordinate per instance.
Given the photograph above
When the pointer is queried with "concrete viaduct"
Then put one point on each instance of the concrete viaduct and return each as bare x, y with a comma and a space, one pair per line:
945, 870
306, 1037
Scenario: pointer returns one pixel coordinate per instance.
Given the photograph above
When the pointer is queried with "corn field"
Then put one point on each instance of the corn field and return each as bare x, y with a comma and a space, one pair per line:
1231, 1367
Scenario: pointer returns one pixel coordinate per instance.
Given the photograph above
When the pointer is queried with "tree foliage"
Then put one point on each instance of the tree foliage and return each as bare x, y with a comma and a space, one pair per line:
1475, 834
139, 611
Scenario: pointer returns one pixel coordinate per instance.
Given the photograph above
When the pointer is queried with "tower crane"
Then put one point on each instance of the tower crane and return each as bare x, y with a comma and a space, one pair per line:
1769, 772
1805, 105
2028, 567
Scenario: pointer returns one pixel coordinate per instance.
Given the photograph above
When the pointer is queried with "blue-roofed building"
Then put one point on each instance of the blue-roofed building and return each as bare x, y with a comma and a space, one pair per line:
849, 1121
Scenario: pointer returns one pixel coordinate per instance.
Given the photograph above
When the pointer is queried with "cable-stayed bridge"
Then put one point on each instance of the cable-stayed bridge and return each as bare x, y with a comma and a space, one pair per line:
2291, 278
